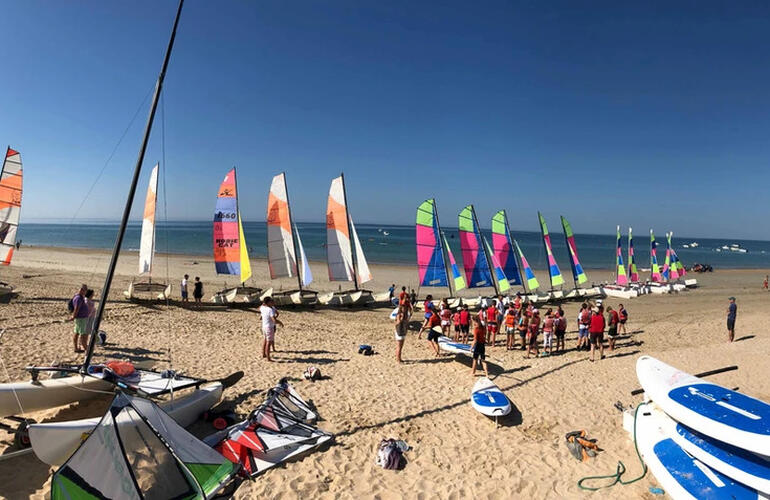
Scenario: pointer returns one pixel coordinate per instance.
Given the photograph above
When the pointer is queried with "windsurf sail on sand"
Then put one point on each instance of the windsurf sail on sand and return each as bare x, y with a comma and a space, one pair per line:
138, 451
281, 257
654, 268
532, 283
231, 255
553, 268
431, 267
578, 275
633, 273
10, 204
477, 271
620, 277
457, 277
502, 246
147, 240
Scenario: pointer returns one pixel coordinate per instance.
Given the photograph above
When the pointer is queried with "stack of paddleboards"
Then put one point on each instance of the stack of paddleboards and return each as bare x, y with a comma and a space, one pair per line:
699, 439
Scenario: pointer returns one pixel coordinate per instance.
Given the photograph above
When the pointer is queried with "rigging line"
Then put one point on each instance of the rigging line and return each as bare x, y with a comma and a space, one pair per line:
165, 216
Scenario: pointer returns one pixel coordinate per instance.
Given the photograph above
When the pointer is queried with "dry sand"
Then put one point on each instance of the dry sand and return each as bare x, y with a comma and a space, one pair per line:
457, 452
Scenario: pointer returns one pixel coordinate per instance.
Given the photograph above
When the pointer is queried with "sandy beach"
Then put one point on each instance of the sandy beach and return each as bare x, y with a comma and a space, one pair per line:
457, 453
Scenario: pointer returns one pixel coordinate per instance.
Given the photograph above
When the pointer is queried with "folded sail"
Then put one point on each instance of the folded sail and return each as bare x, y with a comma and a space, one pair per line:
502, 247
230, 252
306, 277
477, 270
553, 268
339, 254
147, 240
364, 274
532, 283
577, 270
654, 268
431, 268
621, 278
10, 204
280, 241
459, 281
633, 273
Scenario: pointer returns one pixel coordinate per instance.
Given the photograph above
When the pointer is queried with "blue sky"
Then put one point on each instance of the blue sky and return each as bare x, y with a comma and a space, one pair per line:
649, 114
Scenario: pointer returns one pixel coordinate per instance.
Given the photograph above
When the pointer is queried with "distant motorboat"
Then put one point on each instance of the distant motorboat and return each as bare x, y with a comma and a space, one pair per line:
385, 233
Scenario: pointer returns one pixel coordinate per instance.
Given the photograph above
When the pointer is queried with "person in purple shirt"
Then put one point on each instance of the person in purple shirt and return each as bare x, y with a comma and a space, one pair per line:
80, 313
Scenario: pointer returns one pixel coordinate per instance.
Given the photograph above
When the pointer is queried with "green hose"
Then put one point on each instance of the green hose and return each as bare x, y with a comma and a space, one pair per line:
617, 477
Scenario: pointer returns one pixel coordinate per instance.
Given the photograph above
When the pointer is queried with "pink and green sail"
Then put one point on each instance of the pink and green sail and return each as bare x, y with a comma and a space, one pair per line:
577, 270
477, 259
633, 273
553, 268
502, 248
431, 267
674, 273
667, 274
620, 278
529, 276
457, 277
654, 267
675, 262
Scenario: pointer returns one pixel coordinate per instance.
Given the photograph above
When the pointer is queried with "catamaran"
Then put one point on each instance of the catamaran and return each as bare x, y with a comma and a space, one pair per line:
656, 284
10, 209
620, 288
284, 247
231, 255
553, 268
478, 260
157, 290
435, 262
343, 263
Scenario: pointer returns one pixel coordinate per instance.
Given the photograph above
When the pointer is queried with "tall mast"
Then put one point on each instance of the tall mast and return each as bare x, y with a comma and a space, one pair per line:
291, 228
508, 232
131, 192
484, 249
444, 252
350, 232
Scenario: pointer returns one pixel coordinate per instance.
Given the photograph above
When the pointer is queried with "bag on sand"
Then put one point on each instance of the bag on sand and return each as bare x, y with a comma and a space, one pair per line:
581, 447
365, 349
312, 374
390, 455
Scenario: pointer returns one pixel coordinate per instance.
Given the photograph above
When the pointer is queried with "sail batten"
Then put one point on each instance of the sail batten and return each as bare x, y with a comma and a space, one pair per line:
147, 240
620, 276
230, 251
10, 204
502, 246
578, 274
553, 269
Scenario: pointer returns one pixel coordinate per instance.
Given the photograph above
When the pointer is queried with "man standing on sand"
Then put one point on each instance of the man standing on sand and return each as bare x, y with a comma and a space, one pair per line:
596, 331
269, 324
732, 312
198, 292
80, 317
183, 287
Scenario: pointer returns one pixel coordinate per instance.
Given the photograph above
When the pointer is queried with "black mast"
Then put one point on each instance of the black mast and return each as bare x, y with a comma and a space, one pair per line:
350, 232
293, 238
131, 192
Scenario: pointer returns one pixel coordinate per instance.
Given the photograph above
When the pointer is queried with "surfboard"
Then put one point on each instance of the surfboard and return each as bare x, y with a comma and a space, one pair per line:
448, 345
394, 314
682, 476
488, 399
707, 408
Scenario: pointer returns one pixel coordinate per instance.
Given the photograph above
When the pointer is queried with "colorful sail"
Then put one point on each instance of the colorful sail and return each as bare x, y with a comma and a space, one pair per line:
281, 258
673, 267
675, 262
553, 268
477, 270
10, 204
431, 267
577, 270
532, 283
459, 281
231, 255
339, 253
667, 262
502, 282
620, 278
364, 274
502, 247
147, 240
633, 273
305, 275
654, 268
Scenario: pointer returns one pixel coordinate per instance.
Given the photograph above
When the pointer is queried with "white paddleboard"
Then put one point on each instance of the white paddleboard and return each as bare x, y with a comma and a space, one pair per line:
448, 345
488, 399
394, 314
707, 408
682, 476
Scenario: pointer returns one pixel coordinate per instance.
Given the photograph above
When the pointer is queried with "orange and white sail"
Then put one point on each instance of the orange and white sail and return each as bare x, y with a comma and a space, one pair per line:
147, 240
10, 204
339, 254
281, 257
364, 274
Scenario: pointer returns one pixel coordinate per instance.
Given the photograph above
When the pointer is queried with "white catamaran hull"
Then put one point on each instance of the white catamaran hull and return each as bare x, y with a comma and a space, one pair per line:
620, 292
351, 298
54, 442
238, 295
153, 291
49, 393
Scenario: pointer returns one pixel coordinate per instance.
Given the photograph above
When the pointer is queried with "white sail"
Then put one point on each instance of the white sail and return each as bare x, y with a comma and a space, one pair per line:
280, 243
305, 275
10, 204
339, 255
147, 241
364, 274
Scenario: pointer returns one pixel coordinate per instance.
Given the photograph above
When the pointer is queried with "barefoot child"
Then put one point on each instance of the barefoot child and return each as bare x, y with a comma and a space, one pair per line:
523, 327
446, 319
612, 331
510, 327
478, 348
465, 323
596, 332
433, 335
623, 318
534, 328
456, 323
402, 325
548, 327
269, 323
492, 322
560, 329
430, 311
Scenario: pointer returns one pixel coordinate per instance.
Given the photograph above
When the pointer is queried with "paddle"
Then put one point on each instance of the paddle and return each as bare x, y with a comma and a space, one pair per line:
636, 392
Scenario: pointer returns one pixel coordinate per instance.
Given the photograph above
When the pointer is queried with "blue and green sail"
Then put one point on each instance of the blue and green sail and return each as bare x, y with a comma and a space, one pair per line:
577, 270
553, 268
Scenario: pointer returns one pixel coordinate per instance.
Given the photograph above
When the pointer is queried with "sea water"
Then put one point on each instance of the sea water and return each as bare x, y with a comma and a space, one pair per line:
396, 244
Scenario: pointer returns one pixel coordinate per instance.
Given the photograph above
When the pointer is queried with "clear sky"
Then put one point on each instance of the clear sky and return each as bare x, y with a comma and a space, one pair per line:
633, 113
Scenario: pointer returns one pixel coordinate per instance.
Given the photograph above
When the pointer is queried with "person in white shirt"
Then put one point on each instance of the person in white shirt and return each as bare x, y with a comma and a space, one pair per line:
269, 323
184, 288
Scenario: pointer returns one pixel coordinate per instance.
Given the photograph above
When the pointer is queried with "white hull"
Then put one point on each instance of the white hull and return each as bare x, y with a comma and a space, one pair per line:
238, 295
147, 291
54, 442
691, 283
620, 292
296, 298
350, 298
49, 393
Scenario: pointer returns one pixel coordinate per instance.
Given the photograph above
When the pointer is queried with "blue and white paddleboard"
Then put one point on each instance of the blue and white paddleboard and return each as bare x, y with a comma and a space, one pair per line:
707, 408
681, 475
394, 314
448, 345
488, 399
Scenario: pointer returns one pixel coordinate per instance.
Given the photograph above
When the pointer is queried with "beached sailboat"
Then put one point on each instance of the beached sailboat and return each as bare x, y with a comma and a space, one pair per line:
231, 255
481, 267
342, 262
620, 288
436, 266
557, 280
283, 248
10, 209
147, 290
633, 272
656, 284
